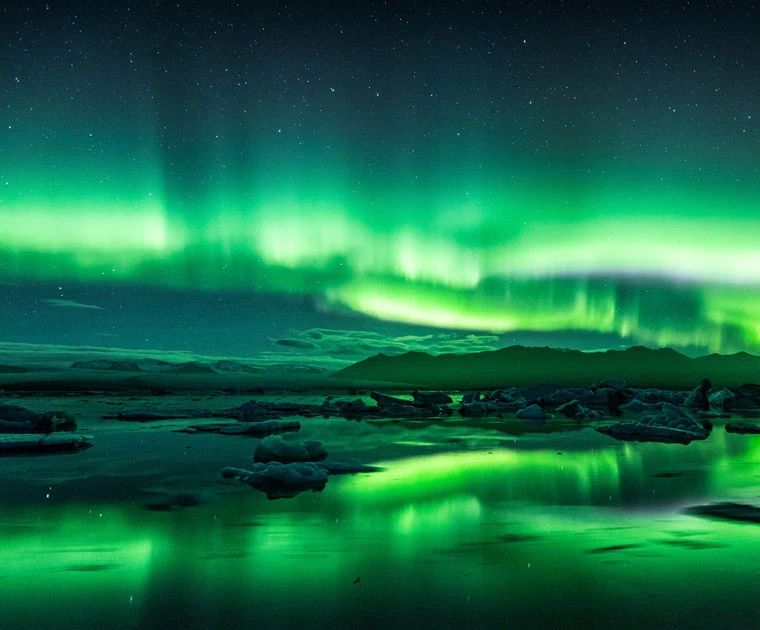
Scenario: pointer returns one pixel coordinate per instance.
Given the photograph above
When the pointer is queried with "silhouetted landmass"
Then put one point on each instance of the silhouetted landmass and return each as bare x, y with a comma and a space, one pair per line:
14, 369
745, 428
144, 365
728, 511
518, 365
20, 369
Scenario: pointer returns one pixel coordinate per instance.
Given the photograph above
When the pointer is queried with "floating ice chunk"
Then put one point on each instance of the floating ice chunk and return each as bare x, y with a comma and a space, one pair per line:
275, 449
279, 480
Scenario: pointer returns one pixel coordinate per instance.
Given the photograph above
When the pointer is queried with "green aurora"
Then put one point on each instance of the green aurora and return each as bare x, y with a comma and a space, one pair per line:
545, 183
659, 269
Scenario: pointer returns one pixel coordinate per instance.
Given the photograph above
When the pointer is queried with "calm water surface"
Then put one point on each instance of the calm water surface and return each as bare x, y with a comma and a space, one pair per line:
466, 527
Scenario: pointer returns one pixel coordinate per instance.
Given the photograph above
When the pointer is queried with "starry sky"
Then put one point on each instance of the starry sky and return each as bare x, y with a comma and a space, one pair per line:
445, 176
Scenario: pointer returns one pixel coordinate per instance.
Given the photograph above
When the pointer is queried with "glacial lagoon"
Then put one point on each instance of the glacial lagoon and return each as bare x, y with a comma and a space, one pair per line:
469, 524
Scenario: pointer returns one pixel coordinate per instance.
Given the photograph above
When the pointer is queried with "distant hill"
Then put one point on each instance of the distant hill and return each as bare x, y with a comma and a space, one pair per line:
518, 365
143, 365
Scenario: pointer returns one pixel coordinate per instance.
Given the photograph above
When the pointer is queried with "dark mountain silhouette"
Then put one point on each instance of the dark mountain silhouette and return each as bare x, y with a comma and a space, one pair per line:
518, 365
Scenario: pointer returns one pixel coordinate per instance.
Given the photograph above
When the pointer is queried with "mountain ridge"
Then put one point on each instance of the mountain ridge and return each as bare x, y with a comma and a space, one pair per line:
524, 365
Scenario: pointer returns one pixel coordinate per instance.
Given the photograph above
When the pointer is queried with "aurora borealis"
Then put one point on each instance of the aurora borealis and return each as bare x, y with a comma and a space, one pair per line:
534, 169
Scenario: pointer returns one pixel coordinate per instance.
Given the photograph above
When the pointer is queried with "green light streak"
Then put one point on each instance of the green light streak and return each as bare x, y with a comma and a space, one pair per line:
83, 232
545, 305
608, 257
541, 475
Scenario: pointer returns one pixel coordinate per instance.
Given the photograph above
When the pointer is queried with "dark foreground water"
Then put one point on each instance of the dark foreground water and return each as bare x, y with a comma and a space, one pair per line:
467, 527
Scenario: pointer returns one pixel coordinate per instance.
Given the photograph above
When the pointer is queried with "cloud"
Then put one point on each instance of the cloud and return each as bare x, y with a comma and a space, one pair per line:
314, 333
62, 356
295, 343
358, 344
70, 304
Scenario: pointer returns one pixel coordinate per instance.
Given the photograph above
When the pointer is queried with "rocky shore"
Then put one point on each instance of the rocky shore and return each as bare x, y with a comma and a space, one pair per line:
610, 407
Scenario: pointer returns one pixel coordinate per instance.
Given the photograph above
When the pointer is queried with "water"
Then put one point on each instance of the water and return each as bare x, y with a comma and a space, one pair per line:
466, 527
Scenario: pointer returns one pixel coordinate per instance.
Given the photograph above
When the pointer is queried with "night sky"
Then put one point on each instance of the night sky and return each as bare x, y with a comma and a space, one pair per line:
447, 176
